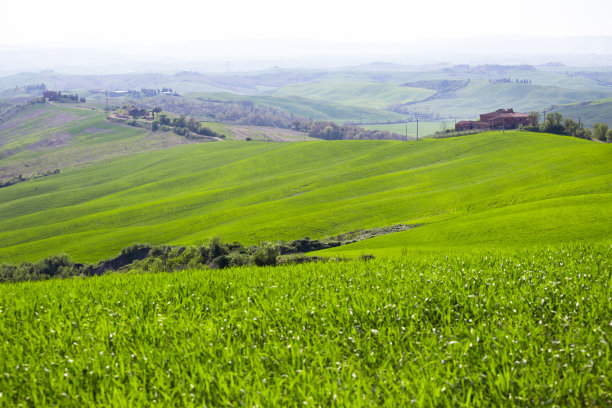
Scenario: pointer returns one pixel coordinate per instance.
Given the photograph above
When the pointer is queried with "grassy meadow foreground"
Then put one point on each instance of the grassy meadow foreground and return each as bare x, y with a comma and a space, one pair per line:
481, 328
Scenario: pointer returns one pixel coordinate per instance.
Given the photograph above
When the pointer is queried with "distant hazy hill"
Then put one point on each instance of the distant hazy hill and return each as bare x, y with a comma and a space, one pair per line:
589, 112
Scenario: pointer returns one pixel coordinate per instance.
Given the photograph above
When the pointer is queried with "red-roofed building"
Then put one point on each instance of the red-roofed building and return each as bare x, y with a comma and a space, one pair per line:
500, 119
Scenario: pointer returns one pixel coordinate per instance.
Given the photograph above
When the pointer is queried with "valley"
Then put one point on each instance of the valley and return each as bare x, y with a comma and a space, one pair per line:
281, 237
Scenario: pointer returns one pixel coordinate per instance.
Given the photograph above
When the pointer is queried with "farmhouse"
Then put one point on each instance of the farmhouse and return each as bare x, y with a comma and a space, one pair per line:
500, 119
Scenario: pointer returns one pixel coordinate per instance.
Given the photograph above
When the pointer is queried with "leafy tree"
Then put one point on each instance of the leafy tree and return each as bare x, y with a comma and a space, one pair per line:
553, 123
328, 132
155, 125
534, 118
600, 131
584, 133
155, 110
570, 126
164, 120
193, 125
266, 254
180, 122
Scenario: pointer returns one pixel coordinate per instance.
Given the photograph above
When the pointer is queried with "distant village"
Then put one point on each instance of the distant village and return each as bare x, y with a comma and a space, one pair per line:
144, 92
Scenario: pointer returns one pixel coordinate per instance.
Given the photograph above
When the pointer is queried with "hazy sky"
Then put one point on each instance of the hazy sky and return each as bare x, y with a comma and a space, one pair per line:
79, 23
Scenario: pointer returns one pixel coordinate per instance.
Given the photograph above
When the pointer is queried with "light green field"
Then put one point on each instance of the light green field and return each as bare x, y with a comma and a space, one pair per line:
371, 95
309, 108
488, 190
425, 128
47, 137
220, 128
481, 97
502, 328
257, 133
588, 112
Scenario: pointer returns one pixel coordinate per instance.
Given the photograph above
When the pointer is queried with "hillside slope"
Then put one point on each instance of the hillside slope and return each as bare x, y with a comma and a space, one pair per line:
481, 96
588, 112
45, 137
356, 94
308, 108
477, 187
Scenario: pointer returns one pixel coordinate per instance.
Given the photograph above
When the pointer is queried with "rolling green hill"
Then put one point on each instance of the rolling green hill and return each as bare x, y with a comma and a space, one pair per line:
308, 108
481, 96
490, 189
588, 112
44, 137
425, 128
373, 95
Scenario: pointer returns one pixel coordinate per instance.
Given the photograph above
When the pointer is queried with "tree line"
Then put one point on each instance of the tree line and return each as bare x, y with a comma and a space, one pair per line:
181, 125
555, 123
214, 254
249, 113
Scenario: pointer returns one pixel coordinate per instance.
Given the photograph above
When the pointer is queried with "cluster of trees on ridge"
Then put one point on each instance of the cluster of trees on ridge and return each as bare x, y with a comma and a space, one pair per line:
332, 131
182, 126
555, 123
58, 96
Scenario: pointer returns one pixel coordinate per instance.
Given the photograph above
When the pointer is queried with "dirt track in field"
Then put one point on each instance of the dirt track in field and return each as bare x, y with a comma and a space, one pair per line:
266, 133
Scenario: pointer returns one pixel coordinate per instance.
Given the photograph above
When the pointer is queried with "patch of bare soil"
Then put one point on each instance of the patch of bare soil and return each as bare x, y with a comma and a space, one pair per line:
95, 130
55, 140
265, 133
15, 126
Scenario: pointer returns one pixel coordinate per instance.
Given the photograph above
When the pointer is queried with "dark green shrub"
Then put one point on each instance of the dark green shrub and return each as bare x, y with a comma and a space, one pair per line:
266, 254
127, 251
239, 259
53, 265
216, 248
220, 262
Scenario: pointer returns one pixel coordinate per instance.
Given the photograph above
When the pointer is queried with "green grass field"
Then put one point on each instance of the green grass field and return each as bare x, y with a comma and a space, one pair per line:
490, 328
47, 137
588, 112
480, 97
425, 128
309, 108
370, 95
483, 190
257, 133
